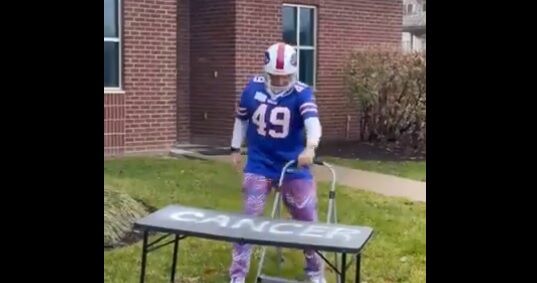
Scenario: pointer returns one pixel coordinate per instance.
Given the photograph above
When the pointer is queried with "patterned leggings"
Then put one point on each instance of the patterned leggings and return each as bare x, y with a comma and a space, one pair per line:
300, 198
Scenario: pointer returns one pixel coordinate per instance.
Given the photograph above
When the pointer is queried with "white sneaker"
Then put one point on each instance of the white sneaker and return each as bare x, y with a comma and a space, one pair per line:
237, 280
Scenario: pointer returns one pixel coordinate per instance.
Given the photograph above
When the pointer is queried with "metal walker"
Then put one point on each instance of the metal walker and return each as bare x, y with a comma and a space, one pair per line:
331, 218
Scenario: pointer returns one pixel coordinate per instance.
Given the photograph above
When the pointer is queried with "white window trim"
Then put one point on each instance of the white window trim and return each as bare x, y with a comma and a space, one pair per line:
111, 39
306, 47
119, 88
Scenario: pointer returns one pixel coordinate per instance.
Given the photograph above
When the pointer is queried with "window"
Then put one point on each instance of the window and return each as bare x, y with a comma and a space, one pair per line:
112, 45
410, 9
299, 31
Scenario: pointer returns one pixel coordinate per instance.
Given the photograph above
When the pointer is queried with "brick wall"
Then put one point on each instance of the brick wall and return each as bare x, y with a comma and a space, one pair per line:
212, 45
183, 71
150, 78
258, 26
343, 25
114, 123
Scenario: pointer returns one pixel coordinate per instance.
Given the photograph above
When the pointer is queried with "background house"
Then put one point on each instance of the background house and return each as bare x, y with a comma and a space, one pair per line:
173, 69
414, 25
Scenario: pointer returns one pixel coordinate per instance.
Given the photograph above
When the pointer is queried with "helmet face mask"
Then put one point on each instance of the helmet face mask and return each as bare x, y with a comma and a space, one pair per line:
278, 84
280, 68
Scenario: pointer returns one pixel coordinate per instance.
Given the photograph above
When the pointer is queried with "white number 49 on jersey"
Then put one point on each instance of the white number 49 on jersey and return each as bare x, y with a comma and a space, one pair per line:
279, 116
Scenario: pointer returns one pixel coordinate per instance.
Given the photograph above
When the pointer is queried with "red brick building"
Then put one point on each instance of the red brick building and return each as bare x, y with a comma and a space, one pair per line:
174, 68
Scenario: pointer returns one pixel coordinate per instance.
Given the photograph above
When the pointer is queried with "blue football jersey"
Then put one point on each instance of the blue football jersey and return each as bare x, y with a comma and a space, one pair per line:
275, 133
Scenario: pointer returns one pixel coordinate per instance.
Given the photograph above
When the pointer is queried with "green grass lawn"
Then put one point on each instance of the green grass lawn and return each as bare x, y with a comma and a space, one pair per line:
414, 170
396, 253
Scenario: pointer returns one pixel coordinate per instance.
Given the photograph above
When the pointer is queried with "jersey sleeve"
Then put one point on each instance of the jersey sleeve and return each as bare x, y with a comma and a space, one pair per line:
242, 110
307, 105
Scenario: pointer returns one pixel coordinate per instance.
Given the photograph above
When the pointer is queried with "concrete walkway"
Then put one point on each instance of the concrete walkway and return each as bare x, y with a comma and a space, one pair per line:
387, 185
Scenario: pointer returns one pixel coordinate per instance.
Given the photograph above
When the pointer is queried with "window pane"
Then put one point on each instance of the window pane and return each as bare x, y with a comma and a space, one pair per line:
110, 18
289, 25
306, 26
305, 68
111, 64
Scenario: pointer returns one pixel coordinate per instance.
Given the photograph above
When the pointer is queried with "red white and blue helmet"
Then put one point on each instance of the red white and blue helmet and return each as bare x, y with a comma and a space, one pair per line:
280, 60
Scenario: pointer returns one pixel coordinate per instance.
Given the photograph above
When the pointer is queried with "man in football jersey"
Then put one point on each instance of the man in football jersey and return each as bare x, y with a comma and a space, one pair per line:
274, 111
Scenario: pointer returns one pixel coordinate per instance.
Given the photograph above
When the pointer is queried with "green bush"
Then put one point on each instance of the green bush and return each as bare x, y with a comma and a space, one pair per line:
120, 212
389, 89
